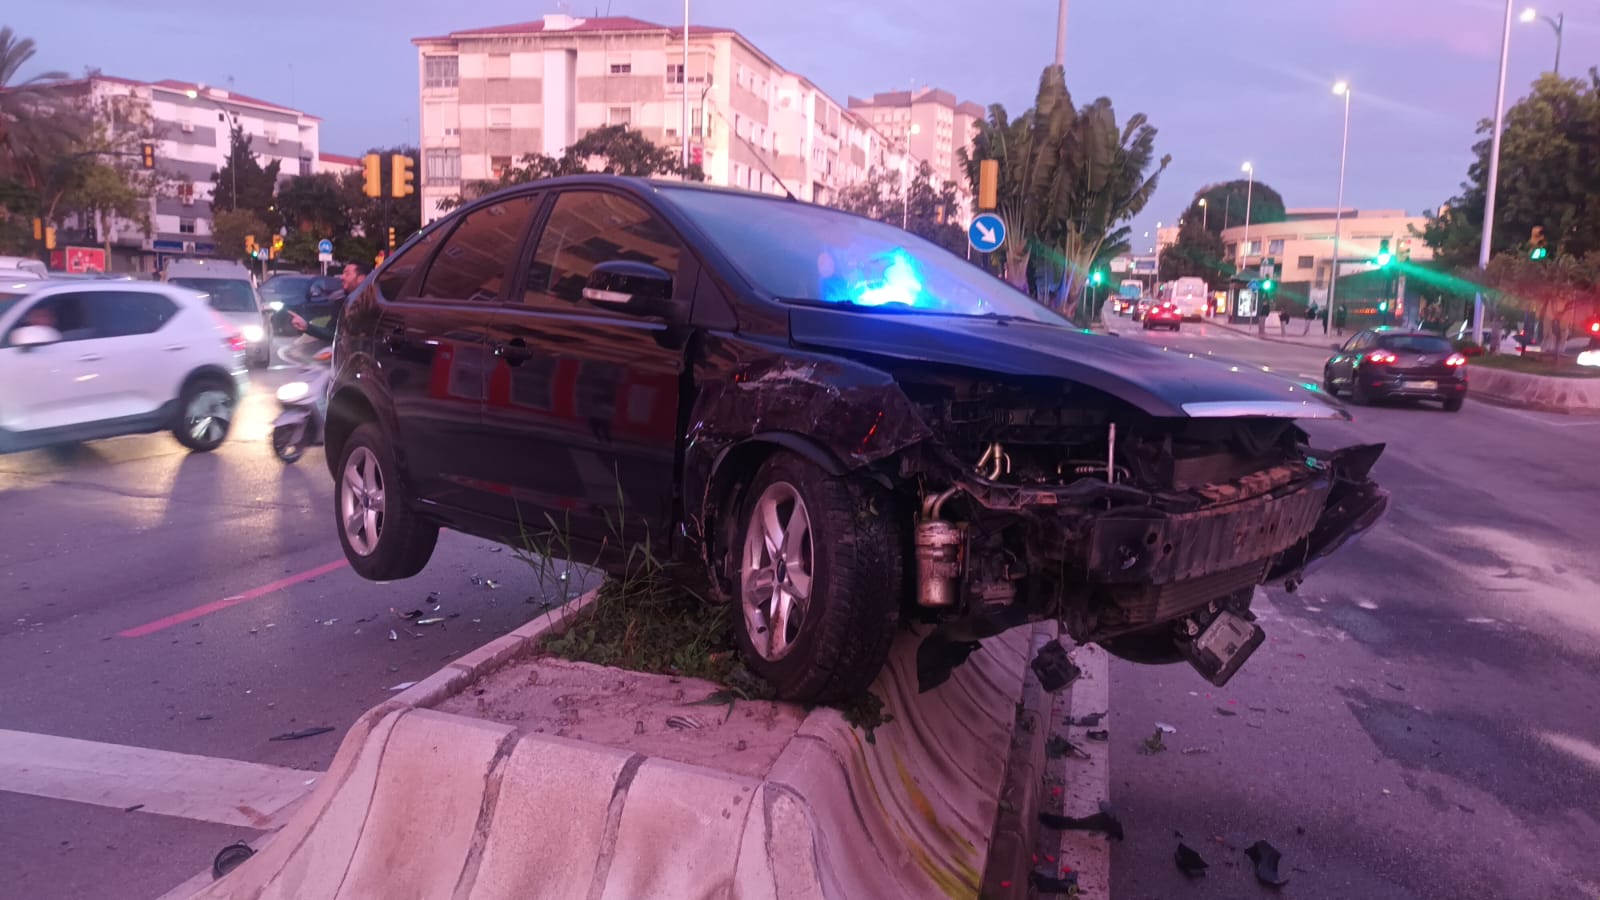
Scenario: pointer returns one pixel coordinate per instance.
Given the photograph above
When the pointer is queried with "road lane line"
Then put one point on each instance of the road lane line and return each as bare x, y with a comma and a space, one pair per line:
201, 788
206, 609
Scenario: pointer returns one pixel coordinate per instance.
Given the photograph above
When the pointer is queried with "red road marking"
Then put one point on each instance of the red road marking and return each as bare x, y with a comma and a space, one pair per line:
206, 609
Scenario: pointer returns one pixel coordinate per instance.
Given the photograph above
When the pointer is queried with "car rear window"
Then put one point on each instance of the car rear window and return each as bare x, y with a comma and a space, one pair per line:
1414, 343
224, 294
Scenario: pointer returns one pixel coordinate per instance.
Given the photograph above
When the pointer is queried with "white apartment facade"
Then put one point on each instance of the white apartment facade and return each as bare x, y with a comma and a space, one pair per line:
489, 96
930, 123
190, 124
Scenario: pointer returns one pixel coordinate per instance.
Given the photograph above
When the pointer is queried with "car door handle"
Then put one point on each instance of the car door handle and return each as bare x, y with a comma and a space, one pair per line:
90, 357
174, 348
515, 351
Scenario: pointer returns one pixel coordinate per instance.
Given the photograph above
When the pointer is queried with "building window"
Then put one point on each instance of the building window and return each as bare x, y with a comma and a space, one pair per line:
1305, 262
442, 165
440, 71
186, 193
186, 226
674, 73
499, 117
621, 68
1275, 246
497, 65
305, 165
499, 166
619, 115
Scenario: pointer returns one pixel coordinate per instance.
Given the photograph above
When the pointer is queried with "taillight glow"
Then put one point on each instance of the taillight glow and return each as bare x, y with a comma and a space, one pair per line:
237, 343
1456, 359
1381, 356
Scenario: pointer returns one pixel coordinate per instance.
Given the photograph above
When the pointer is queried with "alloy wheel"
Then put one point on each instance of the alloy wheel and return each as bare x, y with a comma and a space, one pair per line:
779, 563
361, 501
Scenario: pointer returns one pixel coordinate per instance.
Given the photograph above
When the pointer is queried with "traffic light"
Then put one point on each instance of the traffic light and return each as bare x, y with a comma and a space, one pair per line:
1384, 256
401, 170
372, 175
277, 245
38, 229
1267, 285
49, 237
1405, 250
250, 246
391, 237
1536, 244
1096, 277
147, 152
1383, 306
988, 184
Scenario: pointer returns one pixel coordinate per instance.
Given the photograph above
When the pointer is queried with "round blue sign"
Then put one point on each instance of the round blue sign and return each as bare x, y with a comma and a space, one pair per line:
986, 233
325, 246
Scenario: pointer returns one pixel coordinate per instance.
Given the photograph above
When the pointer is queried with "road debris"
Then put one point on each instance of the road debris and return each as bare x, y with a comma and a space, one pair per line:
1153, 744
403, 685
1054, 668
1164, 728
1193, 751
1104, 821
1266, 858
1223, 711
327, 621
430, 621
393, 636
134, 808
1046, 883
303, 733
684, 723
410, 616
204, 717
1087, 721
1099, 734
1189, 862
229, 858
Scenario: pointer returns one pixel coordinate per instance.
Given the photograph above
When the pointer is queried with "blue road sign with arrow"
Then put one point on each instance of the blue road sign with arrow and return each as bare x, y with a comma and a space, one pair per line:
324, 246
986, 233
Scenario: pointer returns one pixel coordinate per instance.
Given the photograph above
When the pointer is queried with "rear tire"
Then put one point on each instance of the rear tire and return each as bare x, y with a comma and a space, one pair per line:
820, 580
1328, 387
205, 413
1453, 404
382, 537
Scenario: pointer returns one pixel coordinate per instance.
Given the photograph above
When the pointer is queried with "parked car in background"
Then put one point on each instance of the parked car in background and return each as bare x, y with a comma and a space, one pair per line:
1380, 363
309, 296
1163, 315
824, 421
230, 289
19, 267
83, 360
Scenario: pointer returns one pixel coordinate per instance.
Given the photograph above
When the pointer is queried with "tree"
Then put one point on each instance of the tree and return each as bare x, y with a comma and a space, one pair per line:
29, 128
1226, 202
614, 149
929, 211
370, 218
1553, 289
1199, 253
256, 184
104, 178
1549, 177
229, 228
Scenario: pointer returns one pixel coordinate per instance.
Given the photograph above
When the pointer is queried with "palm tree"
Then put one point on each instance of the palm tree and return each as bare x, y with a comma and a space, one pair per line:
29, 129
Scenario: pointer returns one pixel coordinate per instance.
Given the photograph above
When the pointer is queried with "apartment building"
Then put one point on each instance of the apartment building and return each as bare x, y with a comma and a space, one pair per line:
932, 124
492, 95
337, 164
1302, 244
190, 124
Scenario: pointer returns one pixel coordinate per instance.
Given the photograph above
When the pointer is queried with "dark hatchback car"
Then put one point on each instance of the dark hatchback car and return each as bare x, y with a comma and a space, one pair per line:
1382, 363
312, 296
824, 420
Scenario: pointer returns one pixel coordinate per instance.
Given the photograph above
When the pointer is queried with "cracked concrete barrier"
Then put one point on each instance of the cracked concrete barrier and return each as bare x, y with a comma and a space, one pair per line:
514, 775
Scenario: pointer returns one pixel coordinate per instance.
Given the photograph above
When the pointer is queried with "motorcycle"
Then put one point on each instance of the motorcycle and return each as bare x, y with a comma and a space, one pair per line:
303, 403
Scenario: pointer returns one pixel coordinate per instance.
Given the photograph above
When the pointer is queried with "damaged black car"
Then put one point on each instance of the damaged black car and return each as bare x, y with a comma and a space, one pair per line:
829, 422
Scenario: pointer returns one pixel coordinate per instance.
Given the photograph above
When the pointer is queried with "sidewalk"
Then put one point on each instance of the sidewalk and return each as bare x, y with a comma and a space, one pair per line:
1294, 336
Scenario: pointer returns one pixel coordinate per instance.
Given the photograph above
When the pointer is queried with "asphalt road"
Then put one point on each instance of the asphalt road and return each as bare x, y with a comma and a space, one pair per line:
1424, 719
159, 600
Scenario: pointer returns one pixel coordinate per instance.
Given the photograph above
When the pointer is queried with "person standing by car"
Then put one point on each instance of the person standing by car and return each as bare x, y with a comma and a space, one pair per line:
1340, 315
349, 280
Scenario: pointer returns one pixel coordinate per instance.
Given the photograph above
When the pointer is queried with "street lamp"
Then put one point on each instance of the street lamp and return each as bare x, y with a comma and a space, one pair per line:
1156, 282
1249, 192
233, 168
685, 124
1340, 89
1205, 215
1530, 15
1494, 174
905, 179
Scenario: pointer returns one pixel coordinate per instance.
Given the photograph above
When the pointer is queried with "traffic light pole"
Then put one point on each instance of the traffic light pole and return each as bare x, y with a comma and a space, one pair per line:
1494, 175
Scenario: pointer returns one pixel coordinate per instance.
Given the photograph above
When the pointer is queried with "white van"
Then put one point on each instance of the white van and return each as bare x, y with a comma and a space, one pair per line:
20, 267
1190, 296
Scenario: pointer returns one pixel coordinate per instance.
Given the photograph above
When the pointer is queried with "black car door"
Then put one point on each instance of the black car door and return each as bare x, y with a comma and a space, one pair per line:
1344, 361
583, 398
430, 343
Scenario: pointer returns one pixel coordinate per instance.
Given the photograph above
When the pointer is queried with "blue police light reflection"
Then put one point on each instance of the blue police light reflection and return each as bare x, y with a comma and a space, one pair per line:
901, 283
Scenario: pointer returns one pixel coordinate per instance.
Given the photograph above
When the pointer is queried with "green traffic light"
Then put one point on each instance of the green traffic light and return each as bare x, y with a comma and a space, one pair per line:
1383, 307
1095, 277
1266, 285
1539, 253
1384, 259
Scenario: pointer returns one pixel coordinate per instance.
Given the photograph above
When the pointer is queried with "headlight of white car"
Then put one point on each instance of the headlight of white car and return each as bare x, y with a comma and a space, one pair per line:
253, 333
275, 306
1589, 358
293, 391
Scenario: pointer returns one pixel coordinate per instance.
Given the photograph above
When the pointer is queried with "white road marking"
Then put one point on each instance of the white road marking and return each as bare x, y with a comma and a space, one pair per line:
202, 788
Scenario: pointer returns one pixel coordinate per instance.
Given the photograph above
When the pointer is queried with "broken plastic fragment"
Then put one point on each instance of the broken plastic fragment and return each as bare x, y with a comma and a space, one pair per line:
1088, 721
1099, 735
1103, 821
303, 733
402, 685
433, 621
393, 636
684, 722
229, 858
1266, 858
1054, 668
1224, 711
1043, 882
1189, 862
1165, 728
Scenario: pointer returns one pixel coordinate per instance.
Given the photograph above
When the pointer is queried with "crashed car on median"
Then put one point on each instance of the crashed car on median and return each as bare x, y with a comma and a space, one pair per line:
831, 423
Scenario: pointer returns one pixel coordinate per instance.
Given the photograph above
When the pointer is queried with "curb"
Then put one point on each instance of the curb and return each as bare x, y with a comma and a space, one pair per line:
1541, 393
420, 801
1085, 779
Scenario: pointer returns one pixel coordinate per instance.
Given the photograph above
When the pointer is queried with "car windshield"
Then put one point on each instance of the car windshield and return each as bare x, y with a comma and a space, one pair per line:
1414, 343
811, 254
225, 295
285, 288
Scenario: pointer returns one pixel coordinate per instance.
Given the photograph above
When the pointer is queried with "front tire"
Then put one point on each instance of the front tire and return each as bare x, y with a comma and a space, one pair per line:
205, 413
819, 580
1453, 404
1358, 391
382, 537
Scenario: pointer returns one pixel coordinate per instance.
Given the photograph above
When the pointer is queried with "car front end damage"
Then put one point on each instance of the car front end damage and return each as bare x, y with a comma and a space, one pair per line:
1146, 535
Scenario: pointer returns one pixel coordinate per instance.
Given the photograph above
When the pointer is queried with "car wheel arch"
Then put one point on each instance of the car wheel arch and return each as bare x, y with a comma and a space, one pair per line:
210, 373
348, 409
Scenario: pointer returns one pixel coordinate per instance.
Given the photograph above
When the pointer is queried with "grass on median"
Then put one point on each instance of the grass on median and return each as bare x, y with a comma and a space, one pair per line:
1534, 365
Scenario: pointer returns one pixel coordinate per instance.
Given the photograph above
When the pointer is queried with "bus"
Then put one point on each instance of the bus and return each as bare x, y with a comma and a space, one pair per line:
1189, 294
1129, 293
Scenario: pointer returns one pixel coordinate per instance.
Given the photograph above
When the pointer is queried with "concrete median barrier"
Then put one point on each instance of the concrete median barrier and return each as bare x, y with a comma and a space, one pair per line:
509, 774
1574, 396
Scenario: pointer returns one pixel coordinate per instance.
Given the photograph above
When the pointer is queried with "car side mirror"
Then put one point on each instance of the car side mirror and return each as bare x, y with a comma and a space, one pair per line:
29, 336
637, 288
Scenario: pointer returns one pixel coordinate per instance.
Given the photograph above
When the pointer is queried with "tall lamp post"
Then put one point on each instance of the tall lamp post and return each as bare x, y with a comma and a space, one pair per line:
233, 124
1205, 215
685, 126
1341, 89
1531, 15
1249, 193
1494, 175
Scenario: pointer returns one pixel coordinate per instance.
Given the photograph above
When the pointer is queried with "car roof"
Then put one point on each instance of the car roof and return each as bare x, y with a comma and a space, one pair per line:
57, 286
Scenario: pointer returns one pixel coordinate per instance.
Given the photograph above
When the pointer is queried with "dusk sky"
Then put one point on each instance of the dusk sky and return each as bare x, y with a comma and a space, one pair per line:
1223, 80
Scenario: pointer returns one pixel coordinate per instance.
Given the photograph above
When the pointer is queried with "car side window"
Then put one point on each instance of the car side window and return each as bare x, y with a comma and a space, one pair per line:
392, 280
475, 258
1353, 344
125, 313
63, 312
591, 227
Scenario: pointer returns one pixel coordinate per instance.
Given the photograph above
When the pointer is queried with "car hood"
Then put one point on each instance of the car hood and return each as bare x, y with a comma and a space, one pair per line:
1165, 383
240, 317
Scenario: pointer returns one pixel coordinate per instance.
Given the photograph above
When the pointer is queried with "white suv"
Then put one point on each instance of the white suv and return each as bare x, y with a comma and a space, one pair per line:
81, 361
